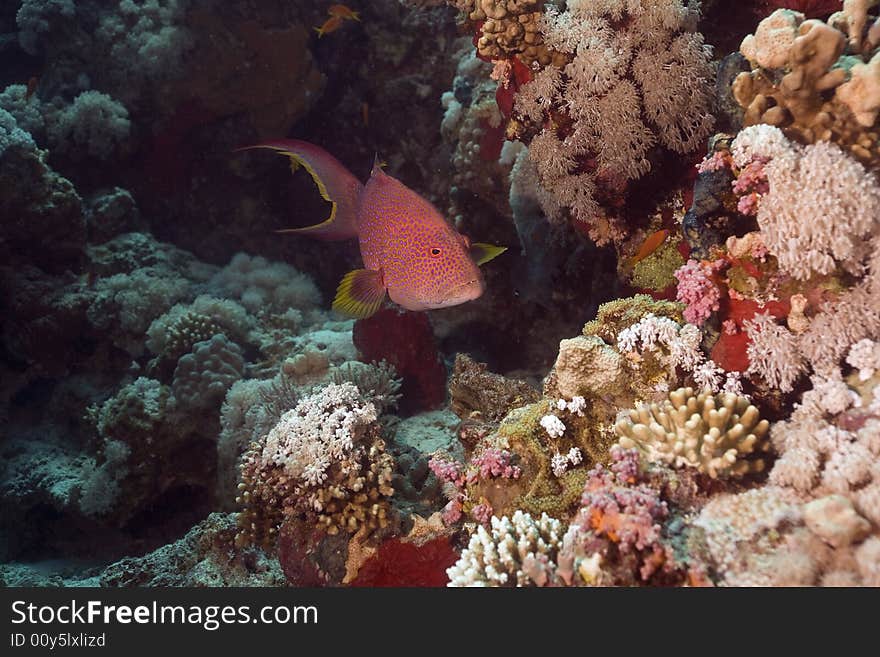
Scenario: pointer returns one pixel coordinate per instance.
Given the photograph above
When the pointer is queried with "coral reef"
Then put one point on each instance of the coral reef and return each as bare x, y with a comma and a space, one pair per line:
673, 381
635, 75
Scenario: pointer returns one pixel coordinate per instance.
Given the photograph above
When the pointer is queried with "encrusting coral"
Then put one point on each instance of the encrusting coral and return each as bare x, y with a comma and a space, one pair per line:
716, 434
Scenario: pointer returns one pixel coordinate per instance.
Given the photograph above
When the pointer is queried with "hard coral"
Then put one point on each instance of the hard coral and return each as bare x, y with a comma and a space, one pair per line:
324, 462
508, 28
716, 434
203, 376
517, 551
812, 81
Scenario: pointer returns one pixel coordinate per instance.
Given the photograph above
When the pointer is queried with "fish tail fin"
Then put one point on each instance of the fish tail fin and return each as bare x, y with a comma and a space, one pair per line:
336, 184
360, 293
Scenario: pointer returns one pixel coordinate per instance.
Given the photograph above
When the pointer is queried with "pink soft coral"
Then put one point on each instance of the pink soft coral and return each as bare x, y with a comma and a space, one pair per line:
697, 289
494, 462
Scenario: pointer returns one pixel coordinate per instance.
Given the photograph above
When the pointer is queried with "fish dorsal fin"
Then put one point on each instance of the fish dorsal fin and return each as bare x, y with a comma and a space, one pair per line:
360, 293
378, 165
483, 253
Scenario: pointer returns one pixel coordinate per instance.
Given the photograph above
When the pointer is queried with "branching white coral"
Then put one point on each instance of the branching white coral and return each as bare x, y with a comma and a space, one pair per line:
517, 551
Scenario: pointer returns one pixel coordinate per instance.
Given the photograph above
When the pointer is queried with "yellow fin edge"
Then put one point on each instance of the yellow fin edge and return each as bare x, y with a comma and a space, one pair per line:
347, 304
483, 253
295, 163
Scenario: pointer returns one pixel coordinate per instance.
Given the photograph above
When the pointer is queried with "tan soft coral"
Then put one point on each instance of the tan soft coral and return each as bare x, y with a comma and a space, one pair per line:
636, 77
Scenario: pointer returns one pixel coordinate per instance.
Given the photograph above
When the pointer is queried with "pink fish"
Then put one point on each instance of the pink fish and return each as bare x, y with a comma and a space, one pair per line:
409, 249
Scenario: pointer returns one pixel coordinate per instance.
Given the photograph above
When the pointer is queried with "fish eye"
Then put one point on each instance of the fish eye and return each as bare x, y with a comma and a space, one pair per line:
435, 251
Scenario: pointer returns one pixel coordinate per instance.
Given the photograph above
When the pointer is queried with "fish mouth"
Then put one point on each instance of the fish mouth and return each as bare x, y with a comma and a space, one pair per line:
467, 291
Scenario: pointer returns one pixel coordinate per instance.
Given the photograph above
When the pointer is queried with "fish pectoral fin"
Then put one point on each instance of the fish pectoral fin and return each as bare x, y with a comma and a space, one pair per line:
483, 253
360, 293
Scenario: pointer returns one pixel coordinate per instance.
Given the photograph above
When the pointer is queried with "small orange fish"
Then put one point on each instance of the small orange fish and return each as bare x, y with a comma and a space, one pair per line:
330, 25
31, 88
653, 242
343, 11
